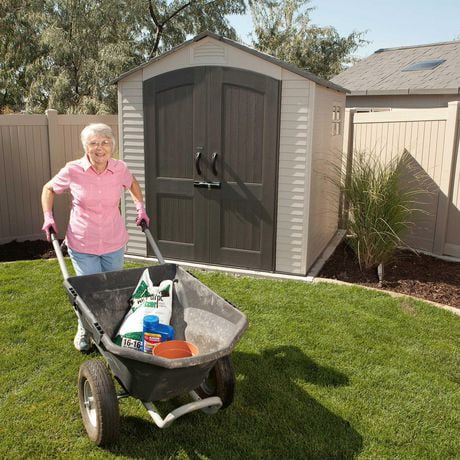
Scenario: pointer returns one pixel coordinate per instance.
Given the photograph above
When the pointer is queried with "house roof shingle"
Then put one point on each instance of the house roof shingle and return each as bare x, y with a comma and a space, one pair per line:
381, 73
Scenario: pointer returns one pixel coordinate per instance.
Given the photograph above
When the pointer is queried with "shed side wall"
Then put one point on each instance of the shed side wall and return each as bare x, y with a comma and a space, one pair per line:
131, 134
326, 160
294, 157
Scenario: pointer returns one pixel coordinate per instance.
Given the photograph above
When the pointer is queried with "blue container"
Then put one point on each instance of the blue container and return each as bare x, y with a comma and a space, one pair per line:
154, 332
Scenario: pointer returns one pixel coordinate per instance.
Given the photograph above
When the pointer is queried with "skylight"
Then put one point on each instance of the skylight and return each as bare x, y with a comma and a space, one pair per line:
423, 65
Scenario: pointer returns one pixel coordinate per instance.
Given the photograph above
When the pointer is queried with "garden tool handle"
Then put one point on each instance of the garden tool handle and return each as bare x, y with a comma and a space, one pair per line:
60, 257
152, 242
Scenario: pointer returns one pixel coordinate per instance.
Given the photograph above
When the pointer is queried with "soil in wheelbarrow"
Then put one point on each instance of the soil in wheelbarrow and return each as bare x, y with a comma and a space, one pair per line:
418, 275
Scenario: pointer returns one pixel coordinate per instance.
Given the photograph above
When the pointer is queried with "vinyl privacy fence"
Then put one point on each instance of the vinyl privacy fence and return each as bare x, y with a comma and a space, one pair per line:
431, 136
35, 147
32, 149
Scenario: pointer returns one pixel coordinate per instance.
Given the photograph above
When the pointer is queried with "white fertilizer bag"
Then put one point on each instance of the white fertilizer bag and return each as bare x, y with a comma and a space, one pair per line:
147, 299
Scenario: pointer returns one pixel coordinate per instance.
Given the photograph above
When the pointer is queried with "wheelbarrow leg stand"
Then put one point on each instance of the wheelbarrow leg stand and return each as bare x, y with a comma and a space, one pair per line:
208, 405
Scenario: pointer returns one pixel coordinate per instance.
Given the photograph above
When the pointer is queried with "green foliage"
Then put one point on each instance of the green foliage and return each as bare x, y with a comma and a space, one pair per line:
64, 54
381, 208
323, 372
283, 29
19, 47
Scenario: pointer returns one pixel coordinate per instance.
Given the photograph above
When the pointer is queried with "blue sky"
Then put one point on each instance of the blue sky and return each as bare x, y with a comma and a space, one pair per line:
389, 23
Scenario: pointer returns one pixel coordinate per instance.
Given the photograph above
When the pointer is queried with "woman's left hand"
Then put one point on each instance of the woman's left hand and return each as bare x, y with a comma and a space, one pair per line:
141, 214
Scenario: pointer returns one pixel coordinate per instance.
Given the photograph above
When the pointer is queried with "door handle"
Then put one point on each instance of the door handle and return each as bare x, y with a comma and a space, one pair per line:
214, 161
197, 163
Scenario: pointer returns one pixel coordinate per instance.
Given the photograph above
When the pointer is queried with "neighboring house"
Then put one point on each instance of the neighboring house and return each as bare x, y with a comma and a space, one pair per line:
421, 76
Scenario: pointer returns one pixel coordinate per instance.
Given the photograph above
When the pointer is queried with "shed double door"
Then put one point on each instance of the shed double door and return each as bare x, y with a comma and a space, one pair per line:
211, 142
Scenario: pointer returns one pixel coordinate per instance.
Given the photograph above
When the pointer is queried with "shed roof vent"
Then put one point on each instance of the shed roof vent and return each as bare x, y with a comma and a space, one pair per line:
209, 53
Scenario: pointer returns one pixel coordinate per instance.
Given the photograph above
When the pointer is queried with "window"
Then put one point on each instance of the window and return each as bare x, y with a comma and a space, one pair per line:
423, 65
336, 119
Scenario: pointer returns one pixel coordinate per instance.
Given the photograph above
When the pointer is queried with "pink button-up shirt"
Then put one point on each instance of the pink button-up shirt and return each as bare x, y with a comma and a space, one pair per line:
95, 225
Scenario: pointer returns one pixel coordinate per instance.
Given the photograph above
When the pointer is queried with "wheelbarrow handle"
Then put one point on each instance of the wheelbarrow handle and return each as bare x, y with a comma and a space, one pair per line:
58, 251
152, 242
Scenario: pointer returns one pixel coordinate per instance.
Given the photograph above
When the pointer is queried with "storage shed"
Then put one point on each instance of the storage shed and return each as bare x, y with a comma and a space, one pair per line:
234, 150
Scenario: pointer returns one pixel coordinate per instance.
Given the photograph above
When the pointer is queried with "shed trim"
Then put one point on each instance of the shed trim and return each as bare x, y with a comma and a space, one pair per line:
405, 92
267, 57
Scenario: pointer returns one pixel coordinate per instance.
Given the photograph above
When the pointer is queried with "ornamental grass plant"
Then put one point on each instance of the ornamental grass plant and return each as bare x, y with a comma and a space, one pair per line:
382, 199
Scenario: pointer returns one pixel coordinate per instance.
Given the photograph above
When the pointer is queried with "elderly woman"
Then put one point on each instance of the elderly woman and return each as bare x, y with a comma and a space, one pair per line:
96, 235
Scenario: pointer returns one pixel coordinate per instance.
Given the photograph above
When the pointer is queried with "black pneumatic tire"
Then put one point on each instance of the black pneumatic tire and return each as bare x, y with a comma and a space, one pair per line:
220, 382
98, 402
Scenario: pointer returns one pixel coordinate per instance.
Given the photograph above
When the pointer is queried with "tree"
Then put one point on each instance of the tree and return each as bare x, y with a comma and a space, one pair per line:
283, 29
64, 53
193, 17
19, 46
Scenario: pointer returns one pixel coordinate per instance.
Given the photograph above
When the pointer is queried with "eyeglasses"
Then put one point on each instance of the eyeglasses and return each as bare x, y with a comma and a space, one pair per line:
94, 144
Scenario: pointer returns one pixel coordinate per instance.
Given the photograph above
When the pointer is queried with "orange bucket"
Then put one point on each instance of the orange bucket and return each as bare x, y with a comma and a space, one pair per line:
173, 349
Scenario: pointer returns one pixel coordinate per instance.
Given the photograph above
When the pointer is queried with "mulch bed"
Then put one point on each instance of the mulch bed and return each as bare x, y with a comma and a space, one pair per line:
26, 250
418, 275
414, 274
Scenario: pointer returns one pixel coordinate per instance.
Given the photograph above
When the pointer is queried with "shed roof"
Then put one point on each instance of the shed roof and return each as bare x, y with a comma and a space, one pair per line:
382, 72
267, 57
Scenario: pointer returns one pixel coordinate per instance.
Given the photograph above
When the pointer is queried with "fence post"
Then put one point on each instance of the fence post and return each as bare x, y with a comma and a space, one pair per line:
447, 177
51, 115
60, 207
347, 161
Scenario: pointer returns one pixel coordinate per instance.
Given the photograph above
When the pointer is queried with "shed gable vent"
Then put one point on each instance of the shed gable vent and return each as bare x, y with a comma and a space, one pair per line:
209, 53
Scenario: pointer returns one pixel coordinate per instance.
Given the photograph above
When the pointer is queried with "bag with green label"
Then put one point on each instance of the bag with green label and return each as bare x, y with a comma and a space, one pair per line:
147, 299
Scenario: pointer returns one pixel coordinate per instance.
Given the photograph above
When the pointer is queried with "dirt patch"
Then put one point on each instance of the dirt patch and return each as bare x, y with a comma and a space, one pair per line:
414, 274
26, 250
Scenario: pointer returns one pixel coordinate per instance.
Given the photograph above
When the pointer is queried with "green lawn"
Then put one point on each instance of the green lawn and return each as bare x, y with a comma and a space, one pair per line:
323, 371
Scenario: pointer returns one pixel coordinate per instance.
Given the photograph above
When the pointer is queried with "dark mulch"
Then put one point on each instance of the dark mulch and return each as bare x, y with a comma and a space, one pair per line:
418, 275
414, 274
26, 250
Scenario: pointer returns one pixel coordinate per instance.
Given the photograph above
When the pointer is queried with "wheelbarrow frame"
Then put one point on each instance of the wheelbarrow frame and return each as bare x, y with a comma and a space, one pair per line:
146, 377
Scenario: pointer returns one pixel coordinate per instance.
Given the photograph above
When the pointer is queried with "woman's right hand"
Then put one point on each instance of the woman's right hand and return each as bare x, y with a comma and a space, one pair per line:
49, 224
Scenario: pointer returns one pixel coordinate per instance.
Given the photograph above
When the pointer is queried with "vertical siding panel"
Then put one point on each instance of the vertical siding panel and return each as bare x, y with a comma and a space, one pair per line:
5, 224
10, 187
131, 138
294, 157
27, 186
17, 180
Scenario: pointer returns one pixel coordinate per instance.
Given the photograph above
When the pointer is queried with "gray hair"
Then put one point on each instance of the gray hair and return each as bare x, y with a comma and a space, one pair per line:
97, 129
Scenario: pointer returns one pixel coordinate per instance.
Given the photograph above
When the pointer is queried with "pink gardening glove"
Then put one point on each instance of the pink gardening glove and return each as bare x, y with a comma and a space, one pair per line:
141, 214
49, 224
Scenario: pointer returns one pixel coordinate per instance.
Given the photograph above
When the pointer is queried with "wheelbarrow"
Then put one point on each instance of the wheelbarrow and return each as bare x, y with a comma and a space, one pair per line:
200, 316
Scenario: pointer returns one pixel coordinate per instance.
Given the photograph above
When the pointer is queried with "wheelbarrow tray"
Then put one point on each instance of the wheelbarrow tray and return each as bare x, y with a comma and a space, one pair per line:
198, 315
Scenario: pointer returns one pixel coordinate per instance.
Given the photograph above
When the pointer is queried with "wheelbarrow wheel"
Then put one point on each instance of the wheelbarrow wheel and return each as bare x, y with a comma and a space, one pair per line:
220, 382
98, 402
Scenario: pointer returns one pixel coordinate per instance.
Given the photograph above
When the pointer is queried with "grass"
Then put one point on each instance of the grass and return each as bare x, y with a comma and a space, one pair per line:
324, 371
